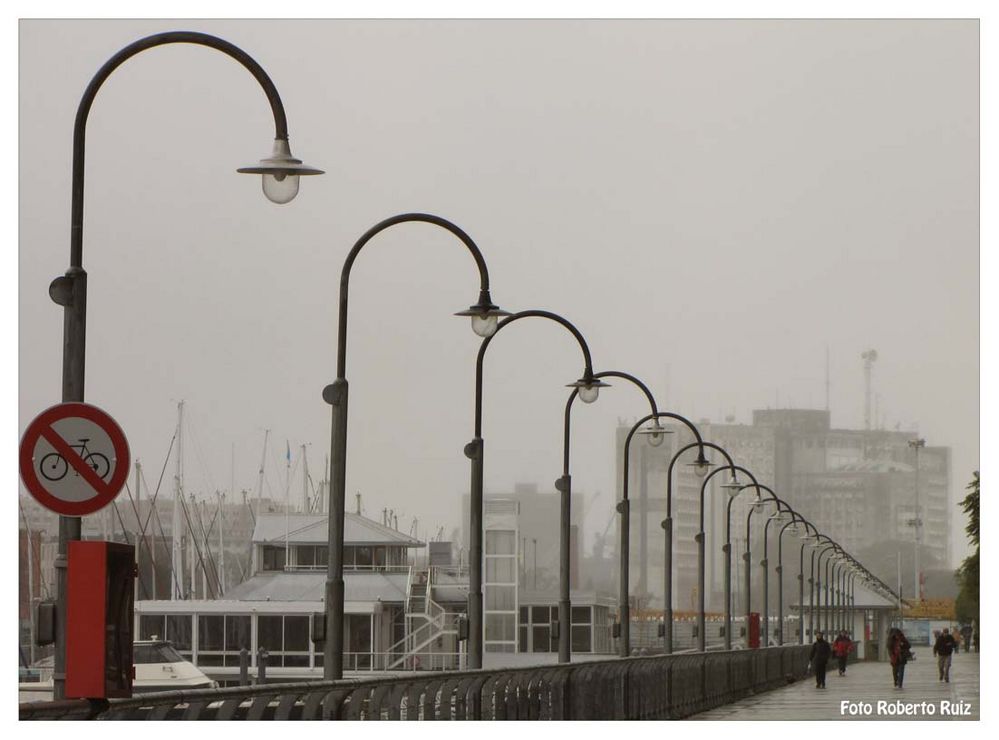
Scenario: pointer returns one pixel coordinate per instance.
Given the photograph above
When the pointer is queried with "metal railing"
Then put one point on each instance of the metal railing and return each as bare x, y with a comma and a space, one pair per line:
660, 687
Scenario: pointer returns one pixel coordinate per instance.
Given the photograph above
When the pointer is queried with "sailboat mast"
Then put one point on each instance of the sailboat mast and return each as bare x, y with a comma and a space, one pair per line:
305, 481
177, 557
221, 544
260, 474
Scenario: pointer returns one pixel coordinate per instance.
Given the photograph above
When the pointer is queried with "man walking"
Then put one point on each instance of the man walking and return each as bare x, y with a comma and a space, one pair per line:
943, 648
818, 658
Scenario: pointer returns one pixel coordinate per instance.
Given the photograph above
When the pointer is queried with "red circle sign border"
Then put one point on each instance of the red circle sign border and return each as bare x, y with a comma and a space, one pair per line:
34, 432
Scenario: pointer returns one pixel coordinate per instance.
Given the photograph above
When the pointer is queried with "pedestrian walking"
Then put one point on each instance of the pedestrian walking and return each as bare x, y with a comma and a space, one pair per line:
899, 653
943, 649
819, 658
975, 638
841, 648
966, 632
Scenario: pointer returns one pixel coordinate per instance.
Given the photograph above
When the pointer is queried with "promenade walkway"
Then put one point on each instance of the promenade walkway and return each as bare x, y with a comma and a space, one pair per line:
870, 683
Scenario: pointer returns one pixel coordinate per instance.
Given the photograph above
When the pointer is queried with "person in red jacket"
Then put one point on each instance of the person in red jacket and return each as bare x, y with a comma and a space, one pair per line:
899, 653
841, 648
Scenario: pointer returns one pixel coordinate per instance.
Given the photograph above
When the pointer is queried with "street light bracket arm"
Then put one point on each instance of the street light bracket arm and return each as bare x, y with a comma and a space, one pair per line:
485, 299
531, 313
149, 42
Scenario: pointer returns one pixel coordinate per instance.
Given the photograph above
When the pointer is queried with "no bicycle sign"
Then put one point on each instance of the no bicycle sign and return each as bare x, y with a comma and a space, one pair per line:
74, 459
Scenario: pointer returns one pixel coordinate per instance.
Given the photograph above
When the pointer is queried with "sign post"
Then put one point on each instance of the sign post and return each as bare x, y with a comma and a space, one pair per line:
74, 460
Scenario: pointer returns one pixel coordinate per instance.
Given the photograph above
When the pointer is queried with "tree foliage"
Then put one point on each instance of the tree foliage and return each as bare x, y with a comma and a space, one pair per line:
967, 605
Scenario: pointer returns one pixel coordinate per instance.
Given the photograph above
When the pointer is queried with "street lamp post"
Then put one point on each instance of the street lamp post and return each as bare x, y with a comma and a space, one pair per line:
765, 564
700, 466
748, 555
727, 548
917, 524
70, 290
623, 508
780, 575
588, 387
484, 315
824, 584
734, 487
656, 434
807, 540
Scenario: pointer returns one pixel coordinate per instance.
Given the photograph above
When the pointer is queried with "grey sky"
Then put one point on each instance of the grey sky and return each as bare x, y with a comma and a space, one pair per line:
712, 203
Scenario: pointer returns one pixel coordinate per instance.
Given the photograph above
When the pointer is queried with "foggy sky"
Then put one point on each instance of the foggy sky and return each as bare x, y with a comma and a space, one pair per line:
712, 203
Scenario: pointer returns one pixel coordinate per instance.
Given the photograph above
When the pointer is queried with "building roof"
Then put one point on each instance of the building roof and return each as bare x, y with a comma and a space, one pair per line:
311, 529
310, 586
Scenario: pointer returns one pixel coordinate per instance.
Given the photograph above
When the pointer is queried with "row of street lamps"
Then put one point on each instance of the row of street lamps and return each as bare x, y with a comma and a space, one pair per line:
280, 175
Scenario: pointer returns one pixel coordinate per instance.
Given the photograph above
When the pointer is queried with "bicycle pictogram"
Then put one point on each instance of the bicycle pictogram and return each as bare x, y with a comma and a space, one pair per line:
54, 467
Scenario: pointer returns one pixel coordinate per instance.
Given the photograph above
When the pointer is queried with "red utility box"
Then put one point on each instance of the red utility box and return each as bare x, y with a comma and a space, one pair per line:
754, 629
100, 581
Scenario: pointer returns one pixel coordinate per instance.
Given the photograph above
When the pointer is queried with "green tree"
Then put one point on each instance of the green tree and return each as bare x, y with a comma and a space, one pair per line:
967, 575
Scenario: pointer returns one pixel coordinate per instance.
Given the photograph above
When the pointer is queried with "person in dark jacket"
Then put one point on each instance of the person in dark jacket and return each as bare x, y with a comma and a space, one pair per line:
841, 648
899, 652
819, 658
966, 633
943, 648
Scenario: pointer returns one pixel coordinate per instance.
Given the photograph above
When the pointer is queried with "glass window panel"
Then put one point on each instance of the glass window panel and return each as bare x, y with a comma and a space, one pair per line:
493, 647
581, 639
501, 627
306, 554
580, 615
210, 659
152, 627
296, 633
362, 556
296, 661
269, 629
539, 614
501, 542
322, 556
501, 598
210, 632
523, 639
379, 556
358, 633
523, 615
500, 570
178, 631
273, 558
237, 632
542, 639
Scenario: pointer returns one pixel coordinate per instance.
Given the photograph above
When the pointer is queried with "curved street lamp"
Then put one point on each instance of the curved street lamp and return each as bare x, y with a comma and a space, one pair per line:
782, 508
795, 520
728, 556
824, 584
747, 556
588, 387
734, 487
656, 434
701, 466
624, 509
484, 314
70, 290
806, 541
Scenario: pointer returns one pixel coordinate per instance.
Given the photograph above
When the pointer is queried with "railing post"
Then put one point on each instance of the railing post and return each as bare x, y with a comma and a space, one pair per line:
262, 656
244, 667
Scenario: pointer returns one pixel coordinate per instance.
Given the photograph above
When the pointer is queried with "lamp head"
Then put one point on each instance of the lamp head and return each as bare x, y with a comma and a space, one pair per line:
701, 466
588, 387
655, 434
485, 317
733, 485
280, 173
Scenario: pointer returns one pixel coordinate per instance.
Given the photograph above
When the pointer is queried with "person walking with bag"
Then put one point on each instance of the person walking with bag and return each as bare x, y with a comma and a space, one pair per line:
899, 653
841, 648
944, 648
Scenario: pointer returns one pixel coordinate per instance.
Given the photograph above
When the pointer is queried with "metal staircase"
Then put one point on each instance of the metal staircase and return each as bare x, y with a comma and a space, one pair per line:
431, 641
